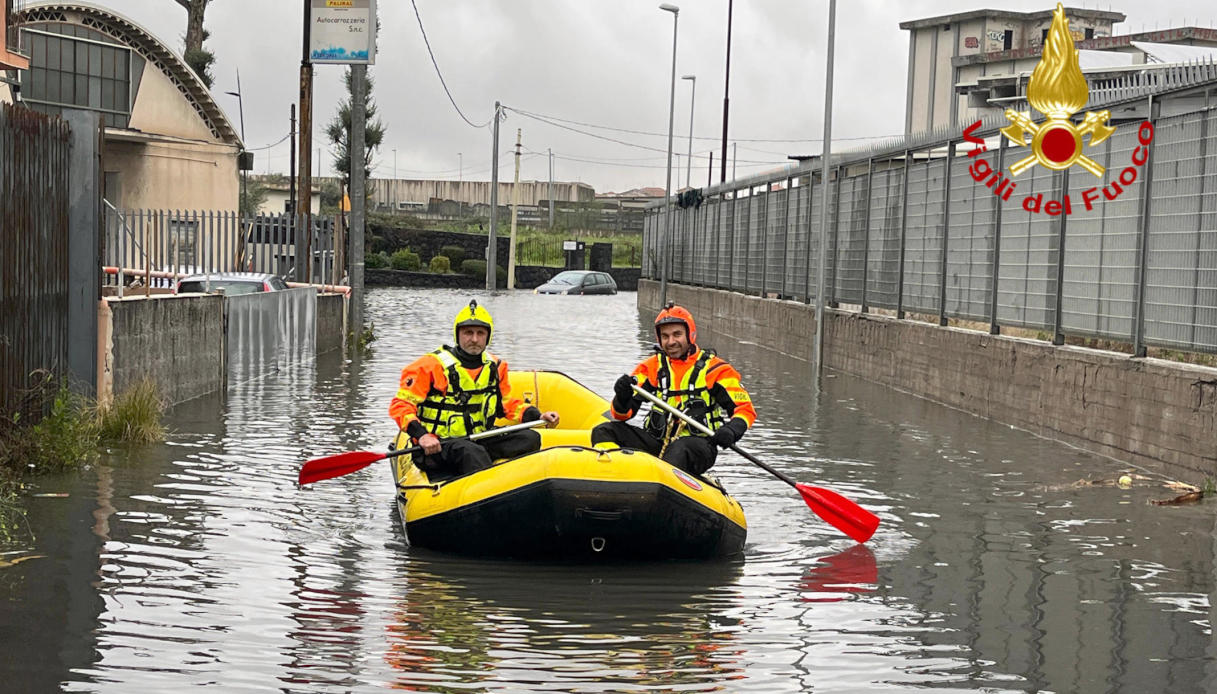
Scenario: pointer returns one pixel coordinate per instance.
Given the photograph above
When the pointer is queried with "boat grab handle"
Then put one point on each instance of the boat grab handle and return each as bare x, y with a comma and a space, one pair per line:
601, 515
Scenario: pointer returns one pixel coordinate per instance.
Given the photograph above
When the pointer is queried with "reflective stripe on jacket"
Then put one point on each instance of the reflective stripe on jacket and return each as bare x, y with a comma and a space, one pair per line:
449, 400
702, 385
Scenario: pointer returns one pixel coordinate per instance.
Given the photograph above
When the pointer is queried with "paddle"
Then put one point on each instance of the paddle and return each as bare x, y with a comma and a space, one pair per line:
330, 466
836, 510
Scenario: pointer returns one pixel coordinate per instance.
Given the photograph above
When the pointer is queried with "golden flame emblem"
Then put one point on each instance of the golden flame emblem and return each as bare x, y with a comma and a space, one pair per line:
1058, 90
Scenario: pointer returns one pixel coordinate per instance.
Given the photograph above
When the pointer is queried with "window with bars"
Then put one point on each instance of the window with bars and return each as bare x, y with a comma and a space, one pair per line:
76, 67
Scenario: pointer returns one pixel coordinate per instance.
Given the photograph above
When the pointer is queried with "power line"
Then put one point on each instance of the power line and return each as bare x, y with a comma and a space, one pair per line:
541, 116
441, 75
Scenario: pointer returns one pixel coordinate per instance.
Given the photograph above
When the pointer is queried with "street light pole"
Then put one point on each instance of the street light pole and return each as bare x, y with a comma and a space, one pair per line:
667, 191
395, 180
460, 167
689, 159
726, 93
825, 160
241, 107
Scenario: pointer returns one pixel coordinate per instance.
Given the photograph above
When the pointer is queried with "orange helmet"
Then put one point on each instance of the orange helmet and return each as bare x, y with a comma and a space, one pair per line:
677, 314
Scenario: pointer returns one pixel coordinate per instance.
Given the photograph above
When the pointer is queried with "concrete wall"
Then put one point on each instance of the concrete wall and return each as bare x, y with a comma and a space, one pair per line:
331, 322
1141, 411
178, 342
181, 342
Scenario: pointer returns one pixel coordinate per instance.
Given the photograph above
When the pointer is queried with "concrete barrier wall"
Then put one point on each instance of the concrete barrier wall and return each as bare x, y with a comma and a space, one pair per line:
177, 341
182, 342
1141, 411
331, 322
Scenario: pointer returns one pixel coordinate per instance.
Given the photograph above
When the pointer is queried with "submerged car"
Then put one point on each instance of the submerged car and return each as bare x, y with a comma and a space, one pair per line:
230, 283
579, 282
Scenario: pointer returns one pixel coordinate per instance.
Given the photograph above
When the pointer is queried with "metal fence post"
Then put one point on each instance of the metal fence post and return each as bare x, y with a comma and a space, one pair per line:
995, 276
1058, 334
1143, 241
786, 238
946, 233
836, 238
731, 241
870, 184
765, 239
811, 196
904, 223
747, 238
1204, 134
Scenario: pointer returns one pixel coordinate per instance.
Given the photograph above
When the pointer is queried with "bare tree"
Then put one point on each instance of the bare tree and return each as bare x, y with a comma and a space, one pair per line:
198, 58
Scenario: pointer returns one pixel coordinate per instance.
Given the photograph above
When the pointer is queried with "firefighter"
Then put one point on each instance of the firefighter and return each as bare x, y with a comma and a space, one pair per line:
456, 391
691, 379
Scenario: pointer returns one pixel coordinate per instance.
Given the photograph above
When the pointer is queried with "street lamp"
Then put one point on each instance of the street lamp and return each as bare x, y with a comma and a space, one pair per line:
667, 191
689, 159
242, 156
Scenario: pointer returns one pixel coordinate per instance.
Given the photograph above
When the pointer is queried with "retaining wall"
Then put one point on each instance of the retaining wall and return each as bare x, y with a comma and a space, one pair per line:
181, 342
1141, 411
178, 342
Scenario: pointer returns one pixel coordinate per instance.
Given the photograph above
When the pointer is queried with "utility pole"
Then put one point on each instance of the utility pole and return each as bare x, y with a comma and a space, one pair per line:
358, 194
726, 100
515, 205
710, 173
734, 157
291, 189
491, 246
304, 217
551, 189
818, 346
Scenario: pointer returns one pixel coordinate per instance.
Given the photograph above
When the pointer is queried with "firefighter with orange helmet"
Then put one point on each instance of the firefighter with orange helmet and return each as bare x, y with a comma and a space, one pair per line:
456, 391
694, 380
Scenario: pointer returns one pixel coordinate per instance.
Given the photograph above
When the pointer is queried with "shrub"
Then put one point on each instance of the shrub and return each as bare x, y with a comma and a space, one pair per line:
477, 268
456, 254
405, 259
376, 261
440, 265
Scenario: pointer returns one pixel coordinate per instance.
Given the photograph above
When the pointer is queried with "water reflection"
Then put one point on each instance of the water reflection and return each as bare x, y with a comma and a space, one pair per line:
469, 623
199, 562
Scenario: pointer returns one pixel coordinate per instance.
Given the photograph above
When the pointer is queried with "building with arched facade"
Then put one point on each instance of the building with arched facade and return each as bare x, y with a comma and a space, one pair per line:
167, 144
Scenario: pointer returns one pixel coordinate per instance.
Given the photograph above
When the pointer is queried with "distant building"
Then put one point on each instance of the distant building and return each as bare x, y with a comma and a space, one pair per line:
12, 55
969, 65
278, 192
167, 143
413, 195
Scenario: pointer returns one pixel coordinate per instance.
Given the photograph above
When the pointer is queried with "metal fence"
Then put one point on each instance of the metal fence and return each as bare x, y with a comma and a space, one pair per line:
911, 230
155, 242
34, 282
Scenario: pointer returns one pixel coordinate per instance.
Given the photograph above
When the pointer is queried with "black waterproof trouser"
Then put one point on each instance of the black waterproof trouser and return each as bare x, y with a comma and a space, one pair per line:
693, 454
460, 457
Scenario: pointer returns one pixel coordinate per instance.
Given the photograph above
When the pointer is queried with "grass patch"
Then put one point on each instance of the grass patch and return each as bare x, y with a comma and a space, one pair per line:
134, 416
66, 437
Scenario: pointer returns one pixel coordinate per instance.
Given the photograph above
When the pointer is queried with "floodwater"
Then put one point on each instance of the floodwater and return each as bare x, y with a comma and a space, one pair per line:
199, 561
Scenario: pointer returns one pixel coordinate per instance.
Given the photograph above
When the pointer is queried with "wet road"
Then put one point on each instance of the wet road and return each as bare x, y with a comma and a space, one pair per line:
199, 562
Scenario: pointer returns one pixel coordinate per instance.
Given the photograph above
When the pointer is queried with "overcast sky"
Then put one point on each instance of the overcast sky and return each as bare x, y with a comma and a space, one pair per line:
604, 63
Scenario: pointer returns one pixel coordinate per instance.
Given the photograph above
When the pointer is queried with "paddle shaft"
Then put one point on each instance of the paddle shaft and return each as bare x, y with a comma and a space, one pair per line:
706, 430
474, 437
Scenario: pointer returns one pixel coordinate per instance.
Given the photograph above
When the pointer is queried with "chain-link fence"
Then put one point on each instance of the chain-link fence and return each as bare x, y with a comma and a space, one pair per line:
913, 229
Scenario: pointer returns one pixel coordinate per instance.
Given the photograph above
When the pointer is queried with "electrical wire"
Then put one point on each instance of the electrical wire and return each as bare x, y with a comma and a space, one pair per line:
441, 75
695, 137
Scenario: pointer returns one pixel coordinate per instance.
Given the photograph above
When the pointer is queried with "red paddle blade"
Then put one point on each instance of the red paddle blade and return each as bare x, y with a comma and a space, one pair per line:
325, 468
839, 512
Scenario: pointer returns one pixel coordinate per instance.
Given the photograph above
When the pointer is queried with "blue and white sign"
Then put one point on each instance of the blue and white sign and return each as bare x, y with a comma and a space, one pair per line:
342, 32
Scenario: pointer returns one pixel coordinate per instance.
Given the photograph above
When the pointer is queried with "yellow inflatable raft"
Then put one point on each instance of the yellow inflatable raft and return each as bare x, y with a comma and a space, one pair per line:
569, 500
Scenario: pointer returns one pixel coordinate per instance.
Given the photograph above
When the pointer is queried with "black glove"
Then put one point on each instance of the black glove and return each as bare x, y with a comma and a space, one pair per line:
729, 433
623, 390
